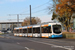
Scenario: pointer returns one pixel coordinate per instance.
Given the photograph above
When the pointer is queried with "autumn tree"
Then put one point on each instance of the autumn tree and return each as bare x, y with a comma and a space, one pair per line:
34, 20
52, 7
65, 10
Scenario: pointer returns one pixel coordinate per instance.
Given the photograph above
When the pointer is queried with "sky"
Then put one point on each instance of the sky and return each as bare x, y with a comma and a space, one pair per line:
13, 7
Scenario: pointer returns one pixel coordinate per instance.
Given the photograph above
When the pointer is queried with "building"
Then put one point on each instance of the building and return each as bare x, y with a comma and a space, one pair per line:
4, 25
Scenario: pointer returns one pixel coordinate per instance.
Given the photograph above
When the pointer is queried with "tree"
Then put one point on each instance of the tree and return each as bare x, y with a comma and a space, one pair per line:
12, 26
52, 7
65, 10
35, 20
54, 16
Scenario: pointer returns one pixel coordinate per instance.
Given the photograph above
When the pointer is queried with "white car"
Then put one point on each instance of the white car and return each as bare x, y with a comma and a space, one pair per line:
9, 31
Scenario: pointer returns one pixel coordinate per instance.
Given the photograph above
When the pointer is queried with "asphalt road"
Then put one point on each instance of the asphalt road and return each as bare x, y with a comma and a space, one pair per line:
23, 43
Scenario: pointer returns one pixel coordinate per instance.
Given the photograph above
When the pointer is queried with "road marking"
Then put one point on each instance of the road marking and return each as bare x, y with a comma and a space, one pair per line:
62, 41
7, 37
27, 48
12, 41
2, 36
18, 43
45, 43
51, 44
58, 40
54, 40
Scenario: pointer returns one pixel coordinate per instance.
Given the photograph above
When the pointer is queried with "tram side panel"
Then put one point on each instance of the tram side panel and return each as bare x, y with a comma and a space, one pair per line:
25, 32
57, 31
20, 32
29, 32
36, 32
16, 32
46, 31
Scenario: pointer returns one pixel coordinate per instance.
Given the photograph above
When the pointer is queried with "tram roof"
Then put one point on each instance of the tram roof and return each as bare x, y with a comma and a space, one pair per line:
37, 25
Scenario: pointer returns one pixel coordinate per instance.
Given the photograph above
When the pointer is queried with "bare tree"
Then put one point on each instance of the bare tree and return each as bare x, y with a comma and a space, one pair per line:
34, 20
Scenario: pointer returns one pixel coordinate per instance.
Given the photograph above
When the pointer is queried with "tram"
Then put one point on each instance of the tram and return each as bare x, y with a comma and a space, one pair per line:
45, 30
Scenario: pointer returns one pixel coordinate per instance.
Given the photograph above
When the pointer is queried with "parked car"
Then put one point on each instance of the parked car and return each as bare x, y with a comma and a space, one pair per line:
8, 30
1, 32
4, 31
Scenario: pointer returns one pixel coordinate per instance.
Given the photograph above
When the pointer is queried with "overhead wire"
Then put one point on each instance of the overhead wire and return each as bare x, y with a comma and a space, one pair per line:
39, 11
37, 7
40, 6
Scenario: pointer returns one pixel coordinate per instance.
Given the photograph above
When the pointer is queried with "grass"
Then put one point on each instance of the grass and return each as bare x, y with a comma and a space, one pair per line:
1, 33
69, 35
68, 32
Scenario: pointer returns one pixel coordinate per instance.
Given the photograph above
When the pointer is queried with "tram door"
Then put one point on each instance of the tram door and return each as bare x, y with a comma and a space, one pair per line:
36, 32
25, 32
46, 31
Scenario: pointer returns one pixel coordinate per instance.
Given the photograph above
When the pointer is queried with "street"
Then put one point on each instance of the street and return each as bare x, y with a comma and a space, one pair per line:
8, 42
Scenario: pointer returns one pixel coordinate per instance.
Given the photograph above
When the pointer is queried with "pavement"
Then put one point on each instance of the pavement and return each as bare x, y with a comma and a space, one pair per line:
8, 42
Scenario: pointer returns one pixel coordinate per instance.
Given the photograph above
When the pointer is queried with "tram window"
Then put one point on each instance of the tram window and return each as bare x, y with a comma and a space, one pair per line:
21, 31
36, 30
17, 31
50, 29
57, 29
29, 30
46, 29
24, 30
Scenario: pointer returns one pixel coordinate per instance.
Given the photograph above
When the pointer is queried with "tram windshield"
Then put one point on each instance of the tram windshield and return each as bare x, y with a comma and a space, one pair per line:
57, 29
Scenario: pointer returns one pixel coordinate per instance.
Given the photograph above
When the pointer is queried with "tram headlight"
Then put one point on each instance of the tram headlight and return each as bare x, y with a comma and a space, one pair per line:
53, 33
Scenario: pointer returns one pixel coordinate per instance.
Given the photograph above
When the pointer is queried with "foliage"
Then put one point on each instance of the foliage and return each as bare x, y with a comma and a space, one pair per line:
65, 10
65, 7
54, 16
34, 20
51, 7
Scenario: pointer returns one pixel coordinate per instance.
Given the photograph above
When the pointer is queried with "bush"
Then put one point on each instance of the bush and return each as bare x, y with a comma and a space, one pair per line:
69, 35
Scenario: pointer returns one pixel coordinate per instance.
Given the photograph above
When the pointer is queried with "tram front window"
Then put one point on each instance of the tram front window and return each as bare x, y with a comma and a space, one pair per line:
57, 29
